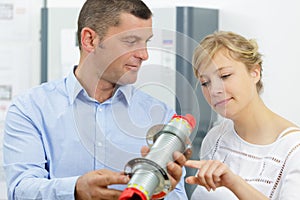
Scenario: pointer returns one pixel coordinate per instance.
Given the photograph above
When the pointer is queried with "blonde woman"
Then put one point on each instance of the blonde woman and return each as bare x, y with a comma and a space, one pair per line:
253, 153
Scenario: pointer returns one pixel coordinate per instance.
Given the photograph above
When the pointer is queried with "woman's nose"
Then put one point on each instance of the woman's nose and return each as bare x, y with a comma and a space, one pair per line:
216, 87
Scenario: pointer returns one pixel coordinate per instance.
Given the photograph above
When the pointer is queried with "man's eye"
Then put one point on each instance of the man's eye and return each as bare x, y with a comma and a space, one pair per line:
130, 42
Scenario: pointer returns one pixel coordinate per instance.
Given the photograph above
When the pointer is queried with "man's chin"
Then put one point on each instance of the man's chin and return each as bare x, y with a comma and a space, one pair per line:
126, 81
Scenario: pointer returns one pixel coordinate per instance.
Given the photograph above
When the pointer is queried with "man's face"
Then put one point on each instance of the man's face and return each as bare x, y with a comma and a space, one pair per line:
123, 49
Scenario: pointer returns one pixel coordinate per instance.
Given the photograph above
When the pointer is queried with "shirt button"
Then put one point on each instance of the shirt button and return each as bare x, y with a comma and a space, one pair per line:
99, 144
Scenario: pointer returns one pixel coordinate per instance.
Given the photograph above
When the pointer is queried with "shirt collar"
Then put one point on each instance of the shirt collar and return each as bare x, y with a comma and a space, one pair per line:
124, 93
74, 88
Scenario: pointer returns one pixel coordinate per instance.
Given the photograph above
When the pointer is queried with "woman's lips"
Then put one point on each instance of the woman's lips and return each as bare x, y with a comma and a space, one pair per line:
222, 102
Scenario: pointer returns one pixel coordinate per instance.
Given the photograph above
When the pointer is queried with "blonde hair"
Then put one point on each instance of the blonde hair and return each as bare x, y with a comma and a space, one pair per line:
240, 49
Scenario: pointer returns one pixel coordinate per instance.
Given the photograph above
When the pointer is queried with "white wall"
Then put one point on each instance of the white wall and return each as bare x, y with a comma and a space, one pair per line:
19, 56
275, 26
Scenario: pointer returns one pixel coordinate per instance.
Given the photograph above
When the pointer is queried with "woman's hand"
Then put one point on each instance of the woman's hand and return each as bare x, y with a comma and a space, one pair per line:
211, 174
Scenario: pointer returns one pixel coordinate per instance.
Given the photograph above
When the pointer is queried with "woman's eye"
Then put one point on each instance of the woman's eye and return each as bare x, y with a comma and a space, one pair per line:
224, 76
204, 84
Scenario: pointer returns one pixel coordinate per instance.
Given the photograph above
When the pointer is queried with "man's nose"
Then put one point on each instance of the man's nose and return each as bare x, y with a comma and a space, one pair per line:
142, 53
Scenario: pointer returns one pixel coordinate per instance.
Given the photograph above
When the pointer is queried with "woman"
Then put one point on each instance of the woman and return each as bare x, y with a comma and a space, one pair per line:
253, 153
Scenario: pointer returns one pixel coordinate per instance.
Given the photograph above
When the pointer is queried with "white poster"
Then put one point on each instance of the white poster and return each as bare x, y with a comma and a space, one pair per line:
16, 50
2, 179
15, 17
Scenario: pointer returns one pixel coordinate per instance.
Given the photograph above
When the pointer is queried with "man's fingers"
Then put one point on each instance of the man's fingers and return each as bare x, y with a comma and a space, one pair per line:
110, 178
179, 158
188, 153
175, 172
145, 150
94, 185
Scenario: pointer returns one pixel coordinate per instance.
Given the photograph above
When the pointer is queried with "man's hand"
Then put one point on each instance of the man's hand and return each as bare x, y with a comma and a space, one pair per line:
93, 185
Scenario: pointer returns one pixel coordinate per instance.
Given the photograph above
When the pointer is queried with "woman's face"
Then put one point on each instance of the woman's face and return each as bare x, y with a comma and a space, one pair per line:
228, 86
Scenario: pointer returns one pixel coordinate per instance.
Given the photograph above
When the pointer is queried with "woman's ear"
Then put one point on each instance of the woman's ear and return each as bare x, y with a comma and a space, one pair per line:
256, 72
88, 39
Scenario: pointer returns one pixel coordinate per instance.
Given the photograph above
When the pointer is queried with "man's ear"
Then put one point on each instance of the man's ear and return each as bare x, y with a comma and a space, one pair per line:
89, 39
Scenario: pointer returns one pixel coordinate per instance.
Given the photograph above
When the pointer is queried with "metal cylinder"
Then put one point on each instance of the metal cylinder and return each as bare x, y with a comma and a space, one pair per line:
149, 174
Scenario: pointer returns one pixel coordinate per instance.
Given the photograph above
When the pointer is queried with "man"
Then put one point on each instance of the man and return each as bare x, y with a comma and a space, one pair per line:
71, 138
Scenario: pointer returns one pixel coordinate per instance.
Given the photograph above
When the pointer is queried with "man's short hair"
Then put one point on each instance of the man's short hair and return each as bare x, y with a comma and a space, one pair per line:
99, 15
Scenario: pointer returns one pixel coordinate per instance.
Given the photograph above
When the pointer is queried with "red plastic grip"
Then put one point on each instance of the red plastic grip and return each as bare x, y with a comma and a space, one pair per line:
129, 193
188, 117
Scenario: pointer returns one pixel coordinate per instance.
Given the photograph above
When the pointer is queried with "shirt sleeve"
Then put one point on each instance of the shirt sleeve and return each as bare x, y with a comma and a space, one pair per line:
25, 161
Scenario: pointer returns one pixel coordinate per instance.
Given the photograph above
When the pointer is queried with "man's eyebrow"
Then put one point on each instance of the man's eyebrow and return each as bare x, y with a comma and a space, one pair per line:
128, 37
136, 37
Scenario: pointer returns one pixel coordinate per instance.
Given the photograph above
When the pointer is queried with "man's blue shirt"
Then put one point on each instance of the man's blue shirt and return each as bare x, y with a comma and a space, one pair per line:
55, 133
